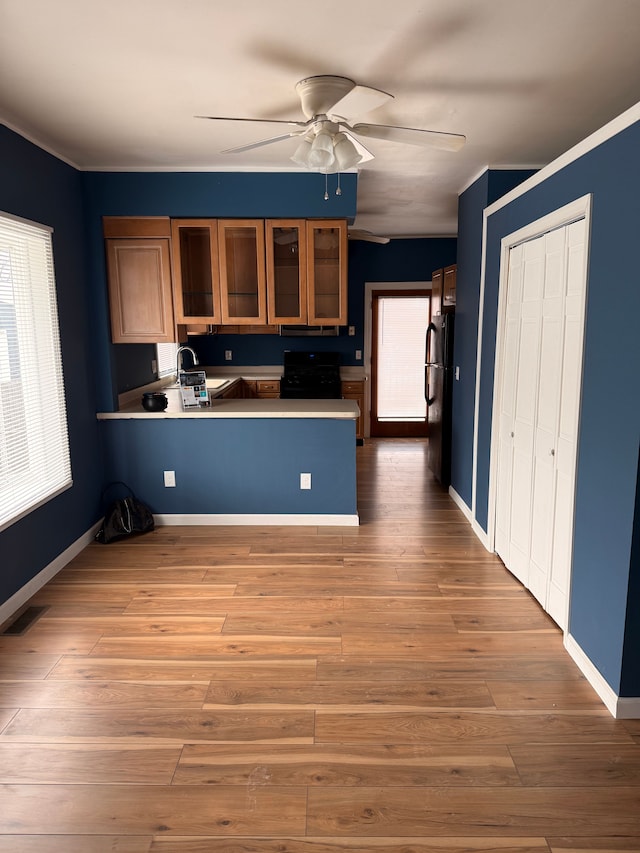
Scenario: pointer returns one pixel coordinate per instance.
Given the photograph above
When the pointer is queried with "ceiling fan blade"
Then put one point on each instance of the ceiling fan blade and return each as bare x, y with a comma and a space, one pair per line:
252, 145
367, 236
290, 122
411, 136
360, 100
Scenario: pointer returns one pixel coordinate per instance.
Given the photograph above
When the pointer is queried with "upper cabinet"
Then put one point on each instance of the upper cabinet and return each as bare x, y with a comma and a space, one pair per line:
243, 294
327, 272
443, 290
286, 257
196, 271
253, 274
449, 285
139, 279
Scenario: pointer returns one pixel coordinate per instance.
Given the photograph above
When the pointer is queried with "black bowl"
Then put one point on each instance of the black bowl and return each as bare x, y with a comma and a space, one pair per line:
154, 401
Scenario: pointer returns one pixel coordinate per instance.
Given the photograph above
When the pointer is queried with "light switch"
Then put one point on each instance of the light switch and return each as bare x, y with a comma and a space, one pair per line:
457, 372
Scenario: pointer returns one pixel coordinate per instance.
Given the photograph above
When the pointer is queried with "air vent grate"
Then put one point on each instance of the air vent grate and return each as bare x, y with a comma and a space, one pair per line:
23, 621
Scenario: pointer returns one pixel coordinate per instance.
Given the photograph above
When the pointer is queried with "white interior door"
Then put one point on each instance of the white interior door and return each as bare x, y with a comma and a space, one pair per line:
538, 412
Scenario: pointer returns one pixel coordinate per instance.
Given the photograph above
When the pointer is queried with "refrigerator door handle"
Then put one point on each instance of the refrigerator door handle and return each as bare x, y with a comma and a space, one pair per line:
426, 387
430, 328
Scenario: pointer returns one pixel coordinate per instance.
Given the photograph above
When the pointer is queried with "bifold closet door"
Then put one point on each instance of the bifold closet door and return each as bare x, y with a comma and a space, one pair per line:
539, 404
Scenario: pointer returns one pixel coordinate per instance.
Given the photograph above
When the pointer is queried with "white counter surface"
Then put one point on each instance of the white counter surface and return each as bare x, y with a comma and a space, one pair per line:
238, 408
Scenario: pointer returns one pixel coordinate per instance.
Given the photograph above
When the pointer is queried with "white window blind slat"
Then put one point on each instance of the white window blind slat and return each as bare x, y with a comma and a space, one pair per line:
35, 462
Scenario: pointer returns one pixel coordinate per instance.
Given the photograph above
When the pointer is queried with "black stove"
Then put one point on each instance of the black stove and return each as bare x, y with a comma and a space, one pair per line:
311, 375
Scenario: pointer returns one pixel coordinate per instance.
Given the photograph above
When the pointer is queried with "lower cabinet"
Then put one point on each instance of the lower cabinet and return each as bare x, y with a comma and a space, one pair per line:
354, 390
264, 389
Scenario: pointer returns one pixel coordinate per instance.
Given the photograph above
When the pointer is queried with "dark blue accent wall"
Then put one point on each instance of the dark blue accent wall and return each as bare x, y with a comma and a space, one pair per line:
605, 510
36, 186
489, 187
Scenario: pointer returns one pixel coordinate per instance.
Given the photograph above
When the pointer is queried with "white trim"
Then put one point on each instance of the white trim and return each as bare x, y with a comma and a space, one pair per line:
13, 604
35, 141
603, 134
476, 404
30, 222
593, 675
259, 520
517, 167
466, 511
479, 532
369, 288
628, 708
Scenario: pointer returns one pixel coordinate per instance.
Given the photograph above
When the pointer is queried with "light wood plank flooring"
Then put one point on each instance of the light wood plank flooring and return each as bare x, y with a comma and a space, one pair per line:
389, 688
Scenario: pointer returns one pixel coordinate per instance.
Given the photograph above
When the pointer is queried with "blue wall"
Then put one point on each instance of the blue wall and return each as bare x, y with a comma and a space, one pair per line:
490, 186
37, 186
236, 466
605, 511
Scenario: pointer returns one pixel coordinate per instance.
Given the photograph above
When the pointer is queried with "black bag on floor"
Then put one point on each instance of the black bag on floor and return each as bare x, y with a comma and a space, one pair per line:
124, 517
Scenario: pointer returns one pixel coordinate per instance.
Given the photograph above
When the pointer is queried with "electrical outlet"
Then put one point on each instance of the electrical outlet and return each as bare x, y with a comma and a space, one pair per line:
352, 330
228, 355
154, 367
305, 481
457, 372
358, 355
169, 479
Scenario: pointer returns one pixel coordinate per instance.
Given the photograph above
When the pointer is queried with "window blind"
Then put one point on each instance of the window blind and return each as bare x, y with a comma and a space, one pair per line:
34, 445
166, 357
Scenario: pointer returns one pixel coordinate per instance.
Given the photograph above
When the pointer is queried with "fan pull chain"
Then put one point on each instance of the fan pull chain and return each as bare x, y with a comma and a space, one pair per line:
338, 188
326, 187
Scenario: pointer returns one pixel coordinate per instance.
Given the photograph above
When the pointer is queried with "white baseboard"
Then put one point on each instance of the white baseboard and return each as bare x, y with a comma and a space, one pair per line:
260, 520
13, 604
459, 502
622, 708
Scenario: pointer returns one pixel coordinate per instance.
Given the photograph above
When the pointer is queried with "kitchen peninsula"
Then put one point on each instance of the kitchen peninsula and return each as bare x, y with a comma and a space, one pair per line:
238, 461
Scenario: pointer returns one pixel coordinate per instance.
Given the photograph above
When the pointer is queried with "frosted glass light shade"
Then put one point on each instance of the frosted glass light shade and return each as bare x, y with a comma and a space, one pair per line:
301, 154
321, 154
345, 152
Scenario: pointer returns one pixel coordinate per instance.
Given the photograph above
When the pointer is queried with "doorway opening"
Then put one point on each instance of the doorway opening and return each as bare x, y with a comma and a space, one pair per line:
399, 321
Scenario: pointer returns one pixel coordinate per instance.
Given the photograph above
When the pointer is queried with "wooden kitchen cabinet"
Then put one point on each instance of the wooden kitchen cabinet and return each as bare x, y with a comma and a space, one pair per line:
437, 281
449, 286
286, 259
196, 271
139, 279
243, 293
267, 388
354, 390
327, 272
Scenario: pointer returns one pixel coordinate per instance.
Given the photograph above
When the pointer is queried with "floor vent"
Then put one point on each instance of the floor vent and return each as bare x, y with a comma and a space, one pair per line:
23, 621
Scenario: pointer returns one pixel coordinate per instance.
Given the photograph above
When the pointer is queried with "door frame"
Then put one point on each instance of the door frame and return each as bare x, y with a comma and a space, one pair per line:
563, 216
369, 289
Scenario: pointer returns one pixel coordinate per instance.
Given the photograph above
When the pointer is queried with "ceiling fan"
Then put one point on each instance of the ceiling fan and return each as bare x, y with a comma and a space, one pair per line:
328, 142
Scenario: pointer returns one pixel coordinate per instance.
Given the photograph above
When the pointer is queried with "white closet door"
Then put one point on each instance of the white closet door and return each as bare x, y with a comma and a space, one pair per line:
539, 406
557, 602
548, 404
507, 405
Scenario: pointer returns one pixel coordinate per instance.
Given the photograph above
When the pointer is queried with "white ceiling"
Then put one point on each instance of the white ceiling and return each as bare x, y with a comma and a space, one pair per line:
116, 84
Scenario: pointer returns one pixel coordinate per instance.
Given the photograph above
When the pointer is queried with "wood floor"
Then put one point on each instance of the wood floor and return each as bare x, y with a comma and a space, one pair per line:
389, 688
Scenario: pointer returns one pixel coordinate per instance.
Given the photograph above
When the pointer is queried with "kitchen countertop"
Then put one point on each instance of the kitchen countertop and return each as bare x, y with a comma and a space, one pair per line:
219, 379
238, 408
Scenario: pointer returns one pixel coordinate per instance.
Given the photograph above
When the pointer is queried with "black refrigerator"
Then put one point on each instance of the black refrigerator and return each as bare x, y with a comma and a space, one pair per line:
438, 371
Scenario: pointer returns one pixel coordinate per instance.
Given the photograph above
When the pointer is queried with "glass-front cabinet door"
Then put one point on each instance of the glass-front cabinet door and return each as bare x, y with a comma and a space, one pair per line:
196, 272
242, 271
327, 272
286, 243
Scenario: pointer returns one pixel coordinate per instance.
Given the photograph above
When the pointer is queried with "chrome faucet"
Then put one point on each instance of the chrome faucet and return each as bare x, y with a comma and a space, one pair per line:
179, 367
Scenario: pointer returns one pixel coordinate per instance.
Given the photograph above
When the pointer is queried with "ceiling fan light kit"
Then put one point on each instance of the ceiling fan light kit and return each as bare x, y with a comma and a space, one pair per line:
329, 143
